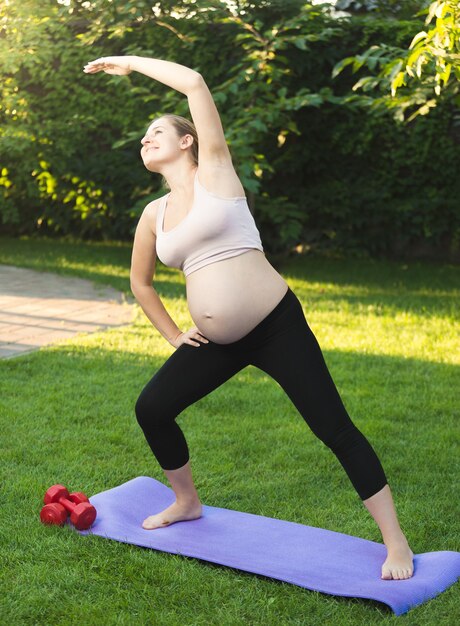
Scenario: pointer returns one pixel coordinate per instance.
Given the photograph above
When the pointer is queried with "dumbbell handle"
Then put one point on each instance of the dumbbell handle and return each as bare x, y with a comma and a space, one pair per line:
68, 504
81, 515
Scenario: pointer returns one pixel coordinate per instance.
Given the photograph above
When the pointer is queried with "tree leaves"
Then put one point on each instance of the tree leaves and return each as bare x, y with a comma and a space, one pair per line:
427, 69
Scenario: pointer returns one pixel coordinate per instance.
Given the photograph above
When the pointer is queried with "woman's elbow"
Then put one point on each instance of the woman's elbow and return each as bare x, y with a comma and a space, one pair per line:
137, 287
134, 285
196, 80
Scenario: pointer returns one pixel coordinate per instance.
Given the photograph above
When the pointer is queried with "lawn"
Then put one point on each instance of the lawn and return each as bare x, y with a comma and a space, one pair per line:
389, 332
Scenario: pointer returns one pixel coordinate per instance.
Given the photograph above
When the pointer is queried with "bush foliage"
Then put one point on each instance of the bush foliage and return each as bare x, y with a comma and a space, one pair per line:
320, 170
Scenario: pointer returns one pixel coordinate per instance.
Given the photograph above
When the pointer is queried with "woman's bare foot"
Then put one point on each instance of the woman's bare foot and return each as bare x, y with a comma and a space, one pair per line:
399, 562
174, 513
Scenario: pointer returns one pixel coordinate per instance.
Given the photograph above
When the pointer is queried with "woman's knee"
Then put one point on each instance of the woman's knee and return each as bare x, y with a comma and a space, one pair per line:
151, 411
341, 439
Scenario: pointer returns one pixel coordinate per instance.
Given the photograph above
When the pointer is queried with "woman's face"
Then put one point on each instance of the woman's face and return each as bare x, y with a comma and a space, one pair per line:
160, 144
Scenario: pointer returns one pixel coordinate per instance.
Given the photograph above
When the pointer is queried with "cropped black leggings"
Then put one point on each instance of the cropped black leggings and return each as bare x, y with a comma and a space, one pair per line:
283, 346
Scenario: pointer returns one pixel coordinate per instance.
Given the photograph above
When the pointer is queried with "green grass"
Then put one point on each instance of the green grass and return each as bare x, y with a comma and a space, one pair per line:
389, 332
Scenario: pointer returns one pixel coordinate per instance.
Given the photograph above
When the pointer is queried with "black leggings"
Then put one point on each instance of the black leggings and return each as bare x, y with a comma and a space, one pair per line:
283, 346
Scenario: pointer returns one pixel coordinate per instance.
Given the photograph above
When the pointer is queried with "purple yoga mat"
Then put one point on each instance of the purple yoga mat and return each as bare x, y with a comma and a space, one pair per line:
314, 558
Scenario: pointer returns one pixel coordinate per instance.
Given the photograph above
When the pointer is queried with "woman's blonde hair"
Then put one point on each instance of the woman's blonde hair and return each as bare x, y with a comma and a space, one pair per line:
183, 127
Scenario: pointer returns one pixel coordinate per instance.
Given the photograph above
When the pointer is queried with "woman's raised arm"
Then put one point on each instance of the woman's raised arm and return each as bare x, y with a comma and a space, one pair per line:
174, 75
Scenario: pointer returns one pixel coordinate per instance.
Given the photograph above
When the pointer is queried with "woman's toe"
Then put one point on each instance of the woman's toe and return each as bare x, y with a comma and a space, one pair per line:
386, 574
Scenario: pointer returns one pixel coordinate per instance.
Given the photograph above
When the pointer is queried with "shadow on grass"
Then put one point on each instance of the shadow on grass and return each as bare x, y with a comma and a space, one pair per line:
374, 273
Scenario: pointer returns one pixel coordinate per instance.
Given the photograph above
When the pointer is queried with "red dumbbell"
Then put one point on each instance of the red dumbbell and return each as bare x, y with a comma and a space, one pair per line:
55, 513
58, 502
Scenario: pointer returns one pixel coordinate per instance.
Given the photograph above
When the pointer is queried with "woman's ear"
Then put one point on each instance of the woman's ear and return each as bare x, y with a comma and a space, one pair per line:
186, 141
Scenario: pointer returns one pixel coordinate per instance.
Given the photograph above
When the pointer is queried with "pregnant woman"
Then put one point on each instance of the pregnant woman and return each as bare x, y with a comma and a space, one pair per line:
244, 311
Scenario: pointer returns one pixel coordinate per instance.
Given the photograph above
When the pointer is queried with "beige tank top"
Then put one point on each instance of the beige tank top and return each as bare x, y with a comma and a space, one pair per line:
215, 229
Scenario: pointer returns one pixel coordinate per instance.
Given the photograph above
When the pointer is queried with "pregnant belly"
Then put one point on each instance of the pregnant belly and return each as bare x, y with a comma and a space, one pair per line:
229, 298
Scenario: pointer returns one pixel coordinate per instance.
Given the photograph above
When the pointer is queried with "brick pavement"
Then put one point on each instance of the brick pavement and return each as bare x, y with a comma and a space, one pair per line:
39, 309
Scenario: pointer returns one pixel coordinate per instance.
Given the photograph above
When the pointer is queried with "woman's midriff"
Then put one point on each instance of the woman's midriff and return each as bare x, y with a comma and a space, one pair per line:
227, 299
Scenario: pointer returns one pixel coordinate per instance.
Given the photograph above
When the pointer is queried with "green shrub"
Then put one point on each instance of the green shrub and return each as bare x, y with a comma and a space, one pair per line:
318, 171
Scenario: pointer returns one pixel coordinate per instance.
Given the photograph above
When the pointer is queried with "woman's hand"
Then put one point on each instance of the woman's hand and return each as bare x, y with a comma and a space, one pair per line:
110, 65
191, 336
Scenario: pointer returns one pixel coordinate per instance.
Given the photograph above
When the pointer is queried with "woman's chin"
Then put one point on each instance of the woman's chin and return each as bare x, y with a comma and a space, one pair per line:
151, 168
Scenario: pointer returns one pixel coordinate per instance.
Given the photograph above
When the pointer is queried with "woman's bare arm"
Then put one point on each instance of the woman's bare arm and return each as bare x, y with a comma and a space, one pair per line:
143, 261
174, 75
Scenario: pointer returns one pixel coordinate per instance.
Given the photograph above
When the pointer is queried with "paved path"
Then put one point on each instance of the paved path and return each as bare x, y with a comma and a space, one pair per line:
39, 308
